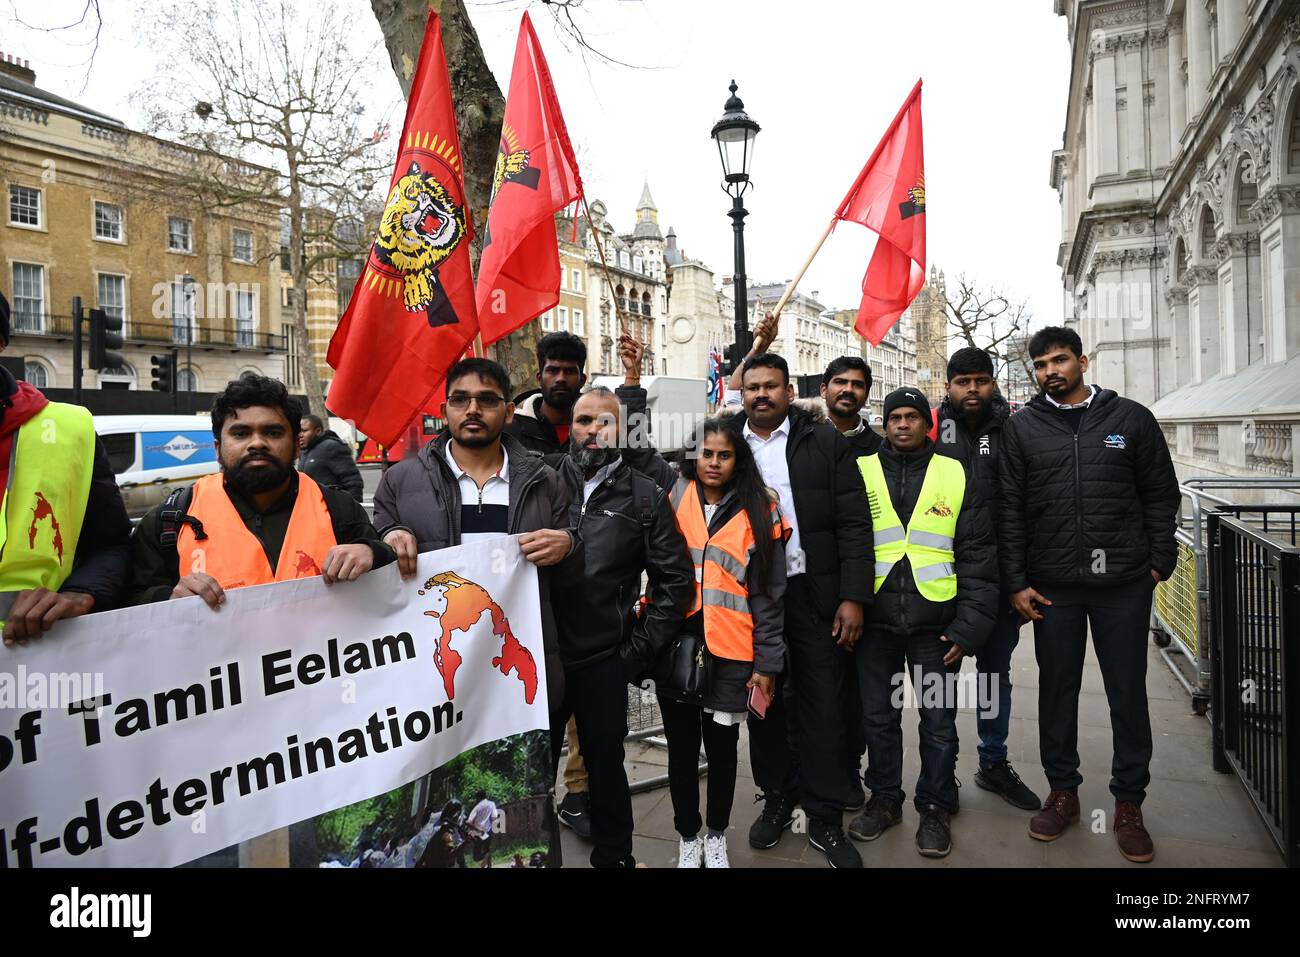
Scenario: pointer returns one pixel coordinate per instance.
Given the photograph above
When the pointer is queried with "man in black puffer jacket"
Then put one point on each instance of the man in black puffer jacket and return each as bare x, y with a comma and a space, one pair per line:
1089, 508
968, 427
828, 567
325, 457
945, 546
627, 527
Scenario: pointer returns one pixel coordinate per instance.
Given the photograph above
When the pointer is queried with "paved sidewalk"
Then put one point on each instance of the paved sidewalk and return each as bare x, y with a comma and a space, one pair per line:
1198, 818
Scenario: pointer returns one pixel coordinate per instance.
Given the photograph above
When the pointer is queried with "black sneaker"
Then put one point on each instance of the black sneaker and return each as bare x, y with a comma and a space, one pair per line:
778, 814
574, 813
1002, 779
933, 836
875, 818
828, 837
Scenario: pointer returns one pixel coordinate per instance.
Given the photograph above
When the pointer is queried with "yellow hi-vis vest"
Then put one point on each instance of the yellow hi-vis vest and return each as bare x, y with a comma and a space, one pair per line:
927, 540
50, 464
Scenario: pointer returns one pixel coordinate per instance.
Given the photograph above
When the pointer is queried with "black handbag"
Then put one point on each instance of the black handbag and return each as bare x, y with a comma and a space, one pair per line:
685, 670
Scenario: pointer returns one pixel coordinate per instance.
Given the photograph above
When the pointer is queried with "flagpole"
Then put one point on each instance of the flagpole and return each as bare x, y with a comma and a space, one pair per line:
898, 118
600, 248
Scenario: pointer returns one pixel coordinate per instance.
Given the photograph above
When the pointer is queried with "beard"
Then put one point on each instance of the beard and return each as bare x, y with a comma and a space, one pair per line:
591, 460
559, 398
480, 440
973, 418
251, 481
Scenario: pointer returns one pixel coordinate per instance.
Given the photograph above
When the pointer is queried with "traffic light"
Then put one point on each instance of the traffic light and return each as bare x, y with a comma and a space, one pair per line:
105, 335
164, 372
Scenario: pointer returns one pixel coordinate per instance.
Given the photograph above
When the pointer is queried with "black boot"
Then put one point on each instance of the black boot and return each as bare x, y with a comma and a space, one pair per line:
828, 837
1002, 779
875, 818
933, 836
778, 814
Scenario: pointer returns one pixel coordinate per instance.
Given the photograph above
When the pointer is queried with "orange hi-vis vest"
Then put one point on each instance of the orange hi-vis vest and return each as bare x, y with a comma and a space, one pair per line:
721, 564
232, 554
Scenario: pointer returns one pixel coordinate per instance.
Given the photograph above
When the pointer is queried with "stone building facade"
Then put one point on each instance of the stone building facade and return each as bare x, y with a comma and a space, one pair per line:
82, 217
929, 317
1179, 183
892, 363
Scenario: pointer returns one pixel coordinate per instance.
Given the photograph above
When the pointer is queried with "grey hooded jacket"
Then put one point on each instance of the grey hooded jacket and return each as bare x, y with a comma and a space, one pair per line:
422, 496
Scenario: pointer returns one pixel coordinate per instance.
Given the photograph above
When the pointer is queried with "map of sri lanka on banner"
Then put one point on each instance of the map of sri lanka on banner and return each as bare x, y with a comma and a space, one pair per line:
293, 700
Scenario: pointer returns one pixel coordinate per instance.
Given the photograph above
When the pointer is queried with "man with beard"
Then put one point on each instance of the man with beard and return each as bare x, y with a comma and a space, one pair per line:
627, 528
541, 423
1089, 509
828, 566
846, 384
259, 520
968, 427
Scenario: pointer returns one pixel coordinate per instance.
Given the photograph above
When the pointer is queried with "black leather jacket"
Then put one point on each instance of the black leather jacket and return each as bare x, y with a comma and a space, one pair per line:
627, 526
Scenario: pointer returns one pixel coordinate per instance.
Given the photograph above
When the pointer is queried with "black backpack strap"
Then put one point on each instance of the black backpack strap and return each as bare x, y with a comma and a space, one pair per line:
172, 515
643, 494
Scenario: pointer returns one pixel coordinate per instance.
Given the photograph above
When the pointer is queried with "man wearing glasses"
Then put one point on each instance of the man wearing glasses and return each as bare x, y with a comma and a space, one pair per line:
475, 482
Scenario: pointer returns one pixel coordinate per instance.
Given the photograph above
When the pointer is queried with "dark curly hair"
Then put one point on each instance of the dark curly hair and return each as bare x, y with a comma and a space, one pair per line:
249, 390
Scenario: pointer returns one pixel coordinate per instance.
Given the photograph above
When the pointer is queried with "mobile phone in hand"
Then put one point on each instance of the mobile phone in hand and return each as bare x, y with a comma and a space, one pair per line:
758, 702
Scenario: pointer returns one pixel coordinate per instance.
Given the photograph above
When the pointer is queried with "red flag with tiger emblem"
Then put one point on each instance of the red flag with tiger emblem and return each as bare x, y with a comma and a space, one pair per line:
536, 177
412, 312
889, 197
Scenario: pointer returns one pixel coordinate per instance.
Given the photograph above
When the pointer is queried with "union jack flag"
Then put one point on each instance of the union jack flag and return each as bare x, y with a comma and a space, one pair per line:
715, 376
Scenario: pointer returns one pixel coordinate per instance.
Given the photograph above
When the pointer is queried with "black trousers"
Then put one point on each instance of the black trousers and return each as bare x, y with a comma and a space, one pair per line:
685, 725
1120, 619
812, 718
596, 696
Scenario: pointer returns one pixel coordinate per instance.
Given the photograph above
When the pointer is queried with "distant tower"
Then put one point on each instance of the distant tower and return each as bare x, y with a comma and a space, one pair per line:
929, 312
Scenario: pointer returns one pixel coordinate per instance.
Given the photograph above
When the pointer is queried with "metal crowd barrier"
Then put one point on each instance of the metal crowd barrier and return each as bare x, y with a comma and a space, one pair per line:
1180, 614
1255, 621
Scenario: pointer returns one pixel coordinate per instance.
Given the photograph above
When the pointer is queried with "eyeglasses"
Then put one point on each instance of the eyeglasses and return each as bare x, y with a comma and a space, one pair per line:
486, 400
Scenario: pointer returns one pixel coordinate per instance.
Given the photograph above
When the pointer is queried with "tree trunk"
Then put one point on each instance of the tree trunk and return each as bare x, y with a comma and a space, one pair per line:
479, 108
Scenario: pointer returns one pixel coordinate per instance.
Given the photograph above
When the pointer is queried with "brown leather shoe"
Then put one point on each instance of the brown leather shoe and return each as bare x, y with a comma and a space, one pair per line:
1060, 810
1134, 841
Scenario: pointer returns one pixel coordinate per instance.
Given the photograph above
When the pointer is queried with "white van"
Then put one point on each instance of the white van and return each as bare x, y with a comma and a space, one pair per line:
153, 454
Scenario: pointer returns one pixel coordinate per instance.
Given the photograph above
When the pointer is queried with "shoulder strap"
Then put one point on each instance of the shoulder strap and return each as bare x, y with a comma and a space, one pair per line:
643, 494
172, 515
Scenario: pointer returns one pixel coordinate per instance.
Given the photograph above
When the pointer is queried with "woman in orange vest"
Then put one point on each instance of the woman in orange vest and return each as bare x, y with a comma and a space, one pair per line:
731, 641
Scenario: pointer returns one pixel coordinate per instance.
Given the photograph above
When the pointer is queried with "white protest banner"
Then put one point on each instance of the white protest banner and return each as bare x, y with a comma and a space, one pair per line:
292, 699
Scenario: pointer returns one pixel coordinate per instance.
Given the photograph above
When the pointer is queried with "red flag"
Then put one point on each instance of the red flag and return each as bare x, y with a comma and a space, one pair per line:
889, 197
412, 311
536, 177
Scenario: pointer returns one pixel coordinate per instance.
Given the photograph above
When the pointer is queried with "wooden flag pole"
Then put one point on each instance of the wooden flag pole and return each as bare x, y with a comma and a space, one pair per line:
789, 289
600, 248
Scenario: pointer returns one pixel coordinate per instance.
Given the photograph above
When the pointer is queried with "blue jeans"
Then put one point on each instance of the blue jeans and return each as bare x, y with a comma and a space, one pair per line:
880, 659
993, 665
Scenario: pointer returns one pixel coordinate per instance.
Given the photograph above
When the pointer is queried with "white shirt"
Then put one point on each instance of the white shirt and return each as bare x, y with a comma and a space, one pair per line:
482, 510
769, 454
602, 473
1092, 390
480, 819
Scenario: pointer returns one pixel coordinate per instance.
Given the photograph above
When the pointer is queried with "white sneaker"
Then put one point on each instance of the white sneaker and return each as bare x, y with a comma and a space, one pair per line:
715, 852
689, 853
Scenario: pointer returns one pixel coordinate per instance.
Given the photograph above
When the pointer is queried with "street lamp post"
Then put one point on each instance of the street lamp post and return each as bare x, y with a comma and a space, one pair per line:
735, 134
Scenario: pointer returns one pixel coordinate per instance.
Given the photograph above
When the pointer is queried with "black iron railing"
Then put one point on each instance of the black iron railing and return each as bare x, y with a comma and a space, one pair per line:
207, 333
1255, 615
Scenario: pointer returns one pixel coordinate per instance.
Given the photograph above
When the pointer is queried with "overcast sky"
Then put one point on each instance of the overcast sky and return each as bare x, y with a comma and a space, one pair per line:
823, 79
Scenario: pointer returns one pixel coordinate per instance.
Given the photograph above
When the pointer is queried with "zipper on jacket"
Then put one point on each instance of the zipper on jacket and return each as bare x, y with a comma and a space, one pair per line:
533, 478
1078, 507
